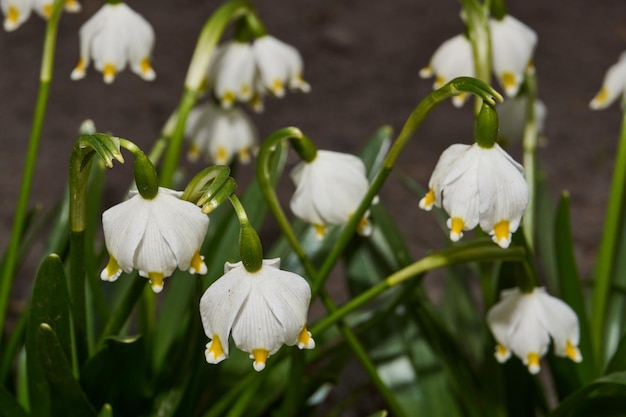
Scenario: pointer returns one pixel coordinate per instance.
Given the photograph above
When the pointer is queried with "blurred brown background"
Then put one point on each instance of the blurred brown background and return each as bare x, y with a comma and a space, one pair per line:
362, 60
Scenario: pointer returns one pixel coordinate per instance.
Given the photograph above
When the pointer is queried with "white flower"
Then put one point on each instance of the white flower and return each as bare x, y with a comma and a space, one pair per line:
329, 189
114, 36
512, 114
613, 85
15, 12
478, 185
154, 236
44, 7
246, 72
523, 323
513, 44
451, 60
221, 133
262, 310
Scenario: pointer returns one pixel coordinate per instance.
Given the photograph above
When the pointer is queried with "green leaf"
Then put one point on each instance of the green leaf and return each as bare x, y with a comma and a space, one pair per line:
116, 375
574, 401
66, 389
617, 363
49, 304
106, 411
381, 413
9, 407
375, 150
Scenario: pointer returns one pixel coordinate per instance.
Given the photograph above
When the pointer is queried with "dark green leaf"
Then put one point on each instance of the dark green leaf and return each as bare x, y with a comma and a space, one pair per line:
66, 389
617, 363
106, 411
574, 401
9, 407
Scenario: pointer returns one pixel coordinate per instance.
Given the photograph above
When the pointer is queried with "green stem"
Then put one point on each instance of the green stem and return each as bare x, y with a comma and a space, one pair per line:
530, 157
477, 251
10, 259
250, 248
608, 251
454, 87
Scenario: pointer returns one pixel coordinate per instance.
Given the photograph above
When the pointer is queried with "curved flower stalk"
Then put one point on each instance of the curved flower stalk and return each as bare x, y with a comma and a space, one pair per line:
523, 323
114, 37
613, 85
512, 46
246, 72
17, 12
476, 185
140, 234
262, 310
329, 188
221, 134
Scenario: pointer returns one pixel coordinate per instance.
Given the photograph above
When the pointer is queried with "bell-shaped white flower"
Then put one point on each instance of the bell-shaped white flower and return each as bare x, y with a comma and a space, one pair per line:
44, 7
523, 323
513, 44
15, 12
154, 236
220, 133
114, 37
262, 310
476, 185
451, 60
329, 189
512, 114
613, 85
246, 72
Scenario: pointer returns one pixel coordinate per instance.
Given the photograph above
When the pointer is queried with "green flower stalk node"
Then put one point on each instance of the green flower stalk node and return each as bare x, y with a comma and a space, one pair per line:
145, 176
250, 248
486, 132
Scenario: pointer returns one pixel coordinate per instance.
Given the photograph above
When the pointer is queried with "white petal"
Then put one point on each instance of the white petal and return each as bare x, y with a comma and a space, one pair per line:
442, 169
613, 85
234, 73
560, 320
16, 12
452, 59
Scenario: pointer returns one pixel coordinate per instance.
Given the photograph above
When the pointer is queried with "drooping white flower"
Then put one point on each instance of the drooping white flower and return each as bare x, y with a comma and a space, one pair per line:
512, 114
476, 185
513, 44
15, 13
329, 189
154, 236
44, 7
220, 133
523, 323
246, 72
262, 310
451, 60
613, 85
114, 37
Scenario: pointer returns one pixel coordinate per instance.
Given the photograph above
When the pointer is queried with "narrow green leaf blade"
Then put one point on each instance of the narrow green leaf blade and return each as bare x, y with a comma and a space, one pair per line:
9, 407
571, 403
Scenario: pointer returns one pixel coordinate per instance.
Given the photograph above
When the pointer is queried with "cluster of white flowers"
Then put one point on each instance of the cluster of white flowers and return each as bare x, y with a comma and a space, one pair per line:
17, 12
512, 45
246, 72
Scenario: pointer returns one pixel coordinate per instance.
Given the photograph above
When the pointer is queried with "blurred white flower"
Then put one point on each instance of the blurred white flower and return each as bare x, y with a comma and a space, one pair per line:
477, 185
513, 44
613, 85
154, 236
44, 7
512, 114
329, 189
15, 12
220, 133
246, 72
451, 60
114, 36
523, 323
262, 310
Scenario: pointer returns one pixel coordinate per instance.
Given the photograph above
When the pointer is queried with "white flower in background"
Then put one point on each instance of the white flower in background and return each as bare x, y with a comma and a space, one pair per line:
513, 44
512, 115
451, 60
613, 85
523, 323
477, 185
15, 12
154, 236
246, 72
220, 133
329, 189
44, 7
114, 36
262, 310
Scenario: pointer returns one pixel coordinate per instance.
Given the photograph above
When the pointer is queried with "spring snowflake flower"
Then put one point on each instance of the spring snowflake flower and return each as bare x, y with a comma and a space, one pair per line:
476, 185
512, 115
221, 133
114, 36
141, 234
329, 189
246, 72
17, 12
262, 310
523, 323
513, 44
613, 85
